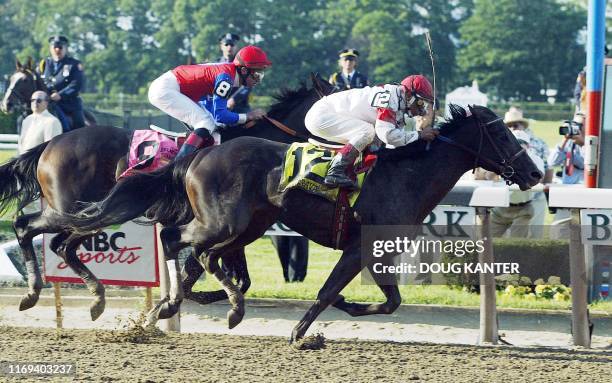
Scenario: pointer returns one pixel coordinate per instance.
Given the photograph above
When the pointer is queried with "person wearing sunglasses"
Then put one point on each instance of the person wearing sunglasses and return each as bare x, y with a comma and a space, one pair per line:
348, 77
356, 117
40, 126
228, 45
63, 76
178, 92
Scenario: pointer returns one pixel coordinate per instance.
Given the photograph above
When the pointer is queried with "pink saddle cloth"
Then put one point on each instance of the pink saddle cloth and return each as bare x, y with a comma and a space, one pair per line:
149, 151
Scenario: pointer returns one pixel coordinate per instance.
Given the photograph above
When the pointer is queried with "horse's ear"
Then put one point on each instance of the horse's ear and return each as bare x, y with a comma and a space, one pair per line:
30, 65
18, 65
469, 111
313, 78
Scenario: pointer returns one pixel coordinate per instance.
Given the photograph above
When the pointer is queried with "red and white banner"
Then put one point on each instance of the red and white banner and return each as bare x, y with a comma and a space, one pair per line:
124, 255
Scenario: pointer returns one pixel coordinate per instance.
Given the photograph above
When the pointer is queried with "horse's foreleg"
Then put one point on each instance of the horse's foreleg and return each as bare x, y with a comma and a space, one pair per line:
345, 270
388, 287
26, 227
68, 252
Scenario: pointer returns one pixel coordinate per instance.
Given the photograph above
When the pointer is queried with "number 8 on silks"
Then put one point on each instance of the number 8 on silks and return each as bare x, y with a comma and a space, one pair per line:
197, 94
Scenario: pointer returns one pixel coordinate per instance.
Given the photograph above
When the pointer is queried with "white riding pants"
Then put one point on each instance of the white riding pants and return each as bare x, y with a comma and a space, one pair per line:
165, 94
323, 121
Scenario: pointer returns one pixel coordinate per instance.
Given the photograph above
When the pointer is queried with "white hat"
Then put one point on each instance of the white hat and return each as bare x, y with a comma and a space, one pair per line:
521, 135
515, 114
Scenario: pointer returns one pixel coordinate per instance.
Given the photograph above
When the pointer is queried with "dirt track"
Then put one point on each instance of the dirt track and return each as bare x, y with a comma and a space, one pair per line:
109, 356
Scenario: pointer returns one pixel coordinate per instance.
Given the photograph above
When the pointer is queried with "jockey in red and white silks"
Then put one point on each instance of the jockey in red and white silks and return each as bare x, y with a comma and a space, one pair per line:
355, 117
177, 93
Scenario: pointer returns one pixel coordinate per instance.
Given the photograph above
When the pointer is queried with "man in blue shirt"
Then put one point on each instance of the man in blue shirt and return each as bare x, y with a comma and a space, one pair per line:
64, 79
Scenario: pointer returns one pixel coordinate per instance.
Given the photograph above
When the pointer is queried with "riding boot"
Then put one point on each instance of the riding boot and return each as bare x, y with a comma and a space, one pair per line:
198, 139
337, 174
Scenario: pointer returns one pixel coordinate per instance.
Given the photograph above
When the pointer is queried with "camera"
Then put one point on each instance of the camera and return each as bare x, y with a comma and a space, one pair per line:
570, 128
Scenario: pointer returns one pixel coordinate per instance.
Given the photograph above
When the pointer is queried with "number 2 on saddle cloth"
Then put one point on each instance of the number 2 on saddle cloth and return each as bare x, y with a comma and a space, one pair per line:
149, 151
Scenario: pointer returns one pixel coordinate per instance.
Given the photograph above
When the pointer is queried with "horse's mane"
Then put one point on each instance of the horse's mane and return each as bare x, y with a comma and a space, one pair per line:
286, 99
458, 116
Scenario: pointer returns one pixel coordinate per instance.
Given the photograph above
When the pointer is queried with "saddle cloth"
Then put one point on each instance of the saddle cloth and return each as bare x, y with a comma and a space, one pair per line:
149, 150
305, 167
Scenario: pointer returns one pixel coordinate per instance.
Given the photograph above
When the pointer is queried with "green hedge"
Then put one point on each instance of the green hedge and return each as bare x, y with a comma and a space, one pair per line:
8, 123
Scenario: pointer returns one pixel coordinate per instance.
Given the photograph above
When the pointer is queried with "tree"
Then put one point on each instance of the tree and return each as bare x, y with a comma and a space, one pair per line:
516, 48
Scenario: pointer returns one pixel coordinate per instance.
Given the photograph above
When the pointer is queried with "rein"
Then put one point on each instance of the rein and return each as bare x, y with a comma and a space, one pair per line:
504, 168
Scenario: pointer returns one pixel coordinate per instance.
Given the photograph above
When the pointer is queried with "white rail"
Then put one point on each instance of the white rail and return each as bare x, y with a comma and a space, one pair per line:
8, 141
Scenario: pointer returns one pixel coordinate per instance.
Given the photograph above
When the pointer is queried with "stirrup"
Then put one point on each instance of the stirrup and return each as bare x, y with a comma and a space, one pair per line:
340, 182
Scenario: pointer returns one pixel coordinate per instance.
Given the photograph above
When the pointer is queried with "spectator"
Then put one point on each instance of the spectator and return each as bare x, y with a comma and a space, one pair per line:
515, 219
63, 77
580, 92
516, 122
38, 127
238, 102
348, 77
569, 155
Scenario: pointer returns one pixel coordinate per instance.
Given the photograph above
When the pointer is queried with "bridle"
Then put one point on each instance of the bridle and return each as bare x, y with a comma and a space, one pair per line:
503, 166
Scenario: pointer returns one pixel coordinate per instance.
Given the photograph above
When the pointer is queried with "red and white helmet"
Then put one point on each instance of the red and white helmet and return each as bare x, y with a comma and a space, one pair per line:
418, 86
252, 57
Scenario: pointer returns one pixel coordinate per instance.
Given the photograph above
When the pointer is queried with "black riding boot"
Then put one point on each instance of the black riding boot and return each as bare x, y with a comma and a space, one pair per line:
337, 174
198, 139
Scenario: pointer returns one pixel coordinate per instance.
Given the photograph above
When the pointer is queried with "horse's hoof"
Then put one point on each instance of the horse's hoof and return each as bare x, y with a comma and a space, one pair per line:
97, 308
234, 318
168, 310
29, 301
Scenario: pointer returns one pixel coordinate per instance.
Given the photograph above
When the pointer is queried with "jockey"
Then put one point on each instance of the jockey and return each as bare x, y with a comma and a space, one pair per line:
177, 93
355, 117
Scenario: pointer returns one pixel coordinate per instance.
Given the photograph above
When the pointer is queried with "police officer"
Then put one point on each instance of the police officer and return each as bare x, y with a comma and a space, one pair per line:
348, 77
63, 77
239, 99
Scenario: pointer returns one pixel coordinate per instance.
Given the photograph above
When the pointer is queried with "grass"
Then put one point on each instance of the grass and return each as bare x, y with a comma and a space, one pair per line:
547, 130
5, 155
267, 282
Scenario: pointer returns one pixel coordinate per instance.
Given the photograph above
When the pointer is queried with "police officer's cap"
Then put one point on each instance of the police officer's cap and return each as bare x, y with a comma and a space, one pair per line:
348, 53
58, 40
229, 38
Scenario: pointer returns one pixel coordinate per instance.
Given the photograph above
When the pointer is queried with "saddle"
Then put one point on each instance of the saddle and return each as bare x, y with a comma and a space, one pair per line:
152, 149
305, 166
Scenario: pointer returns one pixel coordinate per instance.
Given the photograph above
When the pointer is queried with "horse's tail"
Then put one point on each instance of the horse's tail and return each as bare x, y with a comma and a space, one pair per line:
18, 182
159, 195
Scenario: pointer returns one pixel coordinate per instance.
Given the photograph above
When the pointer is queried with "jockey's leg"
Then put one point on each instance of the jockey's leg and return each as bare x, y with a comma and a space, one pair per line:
59, 113
322, 120
78, 119
199, 138
165, 94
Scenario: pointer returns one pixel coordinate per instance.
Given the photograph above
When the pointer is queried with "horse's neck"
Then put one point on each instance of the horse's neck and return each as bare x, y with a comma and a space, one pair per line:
428, 181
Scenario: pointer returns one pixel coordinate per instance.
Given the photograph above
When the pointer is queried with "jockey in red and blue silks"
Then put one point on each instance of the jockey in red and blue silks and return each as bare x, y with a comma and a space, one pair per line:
177, 93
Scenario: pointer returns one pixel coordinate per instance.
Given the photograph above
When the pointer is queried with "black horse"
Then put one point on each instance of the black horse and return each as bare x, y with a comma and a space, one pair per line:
22, 84
233, 191
82, 165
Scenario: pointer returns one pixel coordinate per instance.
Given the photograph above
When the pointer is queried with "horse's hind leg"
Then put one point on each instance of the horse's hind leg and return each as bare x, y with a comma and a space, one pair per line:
388, 287
26, 227
68, 251
192, 270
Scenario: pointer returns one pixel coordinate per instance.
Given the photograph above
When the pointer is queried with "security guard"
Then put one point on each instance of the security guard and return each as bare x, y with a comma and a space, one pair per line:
238, 102
63, 77
348, 77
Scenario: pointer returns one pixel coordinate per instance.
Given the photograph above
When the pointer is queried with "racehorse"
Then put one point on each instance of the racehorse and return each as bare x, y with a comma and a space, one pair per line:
234, 195
22, 84
82, 165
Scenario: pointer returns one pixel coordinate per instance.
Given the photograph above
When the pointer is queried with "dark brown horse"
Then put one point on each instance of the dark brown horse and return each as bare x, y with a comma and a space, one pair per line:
82, 165
233, 193
22, 84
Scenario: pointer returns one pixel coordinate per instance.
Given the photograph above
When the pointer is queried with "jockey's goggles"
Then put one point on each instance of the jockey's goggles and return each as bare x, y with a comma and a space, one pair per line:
420, 102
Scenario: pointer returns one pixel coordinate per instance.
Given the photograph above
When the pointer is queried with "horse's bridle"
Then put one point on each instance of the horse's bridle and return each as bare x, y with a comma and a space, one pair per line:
503, 166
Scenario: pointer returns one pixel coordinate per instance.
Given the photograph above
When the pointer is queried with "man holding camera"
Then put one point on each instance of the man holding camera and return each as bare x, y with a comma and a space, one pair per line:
569, 155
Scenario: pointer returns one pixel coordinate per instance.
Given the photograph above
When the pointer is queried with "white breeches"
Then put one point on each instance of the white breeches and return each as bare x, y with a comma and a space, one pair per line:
322, 121
165, 94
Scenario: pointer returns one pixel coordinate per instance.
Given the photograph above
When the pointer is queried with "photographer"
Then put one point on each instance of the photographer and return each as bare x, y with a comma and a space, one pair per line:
568, 154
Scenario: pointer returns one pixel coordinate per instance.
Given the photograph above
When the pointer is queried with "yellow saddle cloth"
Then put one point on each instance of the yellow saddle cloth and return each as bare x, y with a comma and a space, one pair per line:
305, 167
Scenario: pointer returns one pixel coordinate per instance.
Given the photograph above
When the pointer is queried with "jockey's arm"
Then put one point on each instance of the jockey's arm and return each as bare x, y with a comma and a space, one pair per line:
221, 94
389, 133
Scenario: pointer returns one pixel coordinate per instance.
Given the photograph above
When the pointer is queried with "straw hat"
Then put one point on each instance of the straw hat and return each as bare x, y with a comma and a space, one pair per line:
513, 115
